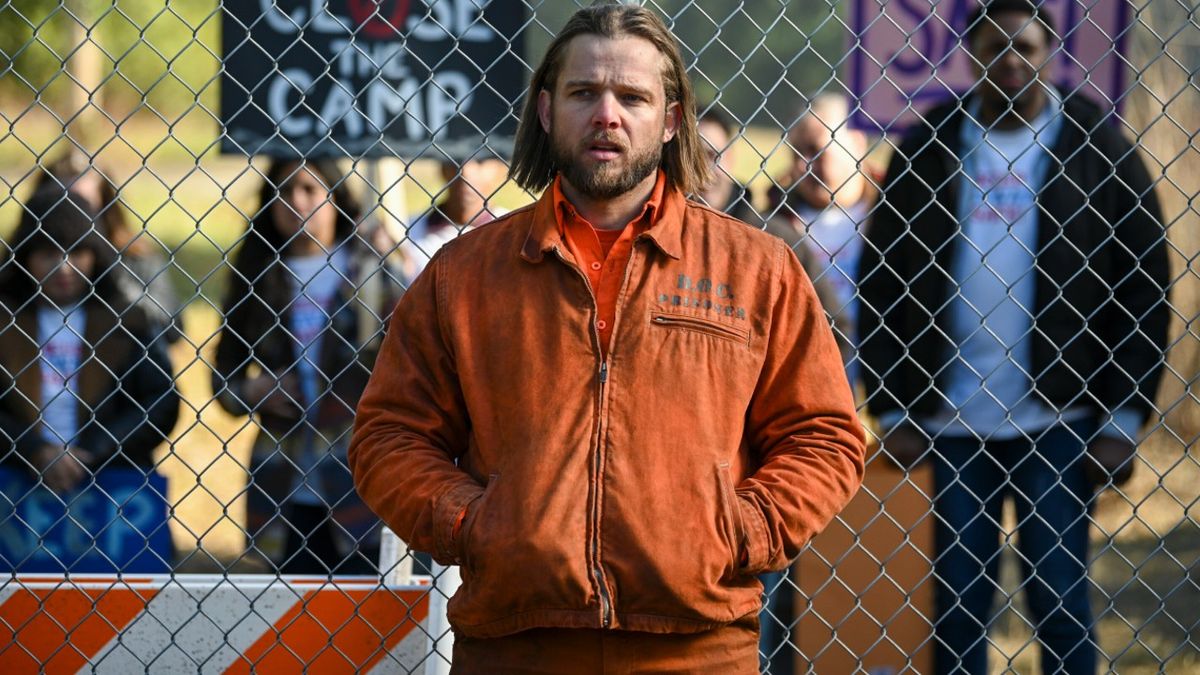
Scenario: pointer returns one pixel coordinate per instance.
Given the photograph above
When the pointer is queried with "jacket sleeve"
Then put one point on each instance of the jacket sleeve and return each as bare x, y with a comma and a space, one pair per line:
233, 351
148, 405
412, 425
881, 288
1135, 320
802, 426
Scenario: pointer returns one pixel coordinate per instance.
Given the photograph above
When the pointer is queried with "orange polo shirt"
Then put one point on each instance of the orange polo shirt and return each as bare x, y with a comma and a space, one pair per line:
604, 254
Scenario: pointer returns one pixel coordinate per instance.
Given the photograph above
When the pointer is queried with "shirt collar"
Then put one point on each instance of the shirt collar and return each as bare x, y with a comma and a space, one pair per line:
564, 210
660, 219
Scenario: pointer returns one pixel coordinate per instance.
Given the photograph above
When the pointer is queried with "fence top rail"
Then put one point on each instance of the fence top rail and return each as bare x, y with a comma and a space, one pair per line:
243, 581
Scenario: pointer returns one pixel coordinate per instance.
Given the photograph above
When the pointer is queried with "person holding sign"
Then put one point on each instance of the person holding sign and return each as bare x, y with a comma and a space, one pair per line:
85, 386
295, 351
616, 407
1013, 321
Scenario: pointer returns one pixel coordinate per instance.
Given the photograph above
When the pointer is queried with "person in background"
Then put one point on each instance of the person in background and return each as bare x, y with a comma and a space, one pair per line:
464, 205
144, 267
85, 383
295, 352
617, 407
817, 206
822, 203
1013, 324
722, 192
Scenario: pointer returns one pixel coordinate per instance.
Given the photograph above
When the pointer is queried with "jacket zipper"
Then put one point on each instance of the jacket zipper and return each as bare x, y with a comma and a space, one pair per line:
597, 570
605, 601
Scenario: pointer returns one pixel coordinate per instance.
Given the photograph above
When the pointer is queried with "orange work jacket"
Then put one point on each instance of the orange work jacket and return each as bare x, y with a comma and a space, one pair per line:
642, 489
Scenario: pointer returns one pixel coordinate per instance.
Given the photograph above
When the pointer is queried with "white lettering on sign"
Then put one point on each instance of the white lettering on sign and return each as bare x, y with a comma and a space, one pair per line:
385, 103
339, 109
426, 108
279, 20
450, 93
365, 59
326, 22
458, 19
279, 101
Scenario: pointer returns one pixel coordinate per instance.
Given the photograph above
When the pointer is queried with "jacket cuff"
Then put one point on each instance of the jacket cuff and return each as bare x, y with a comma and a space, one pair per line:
756, 544
447, 509
1124, 424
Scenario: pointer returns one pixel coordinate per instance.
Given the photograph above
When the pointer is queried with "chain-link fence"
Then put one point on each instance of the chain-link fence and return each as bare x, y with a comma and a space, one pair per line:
186, 333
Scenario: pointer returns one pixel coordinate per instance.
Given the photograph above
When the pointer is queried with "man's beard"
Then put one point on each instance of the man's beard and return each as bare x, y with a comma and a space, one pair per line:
606, 180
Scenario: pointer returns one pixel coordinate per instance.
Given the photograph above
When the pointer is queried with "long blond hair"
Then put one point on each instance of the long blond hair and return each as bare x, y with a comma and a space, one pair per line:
684, 162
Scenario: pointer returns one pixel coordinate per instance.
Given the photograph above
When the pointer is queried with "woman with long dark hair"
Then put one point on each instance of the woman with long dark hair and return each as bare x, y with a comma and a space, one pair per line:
87, 384
87, 394
303, 317
144, 267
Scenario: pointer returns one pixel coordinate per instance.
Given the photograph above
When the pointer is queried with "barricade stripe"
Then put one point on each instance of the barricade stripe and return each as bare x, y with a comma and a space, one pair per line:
252, 659
410, 655
395, 617
60, 630
335, 631
197, 626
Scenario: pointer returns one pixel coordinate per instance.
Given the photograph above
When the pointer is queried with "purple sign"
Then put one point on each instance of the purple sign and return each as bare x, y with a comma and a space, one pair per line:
906, 55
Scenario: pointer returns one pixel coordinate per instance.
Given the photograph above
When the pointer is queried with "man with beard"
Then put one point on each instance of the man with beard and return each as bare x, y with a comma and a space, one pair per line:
1013, 320
610, 422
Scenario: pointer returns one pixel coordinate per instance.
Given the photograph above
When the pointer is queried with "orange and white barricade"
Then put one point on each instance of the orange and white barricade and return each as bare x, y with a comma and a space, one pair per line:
193, 623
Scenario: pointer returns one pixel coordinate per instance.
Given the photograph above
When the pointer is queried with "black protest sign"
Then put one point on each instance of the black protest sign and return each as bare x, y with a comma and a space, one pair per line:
371, 77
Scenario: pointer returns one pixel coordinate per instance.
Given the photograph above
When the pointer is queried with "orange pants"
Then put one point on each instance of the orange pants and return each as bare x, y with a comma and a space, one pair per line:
570, 651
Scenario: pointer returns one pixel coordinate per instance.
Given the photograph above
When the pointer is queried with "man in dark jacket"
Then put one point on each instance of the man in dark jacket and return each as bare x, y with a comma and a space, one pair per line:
1013, 322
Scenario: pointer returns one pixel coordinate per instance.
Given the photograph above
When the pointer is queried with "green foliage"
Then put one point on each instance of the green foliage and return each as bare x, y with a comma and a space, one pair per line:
167, 52
33, 35
160, 53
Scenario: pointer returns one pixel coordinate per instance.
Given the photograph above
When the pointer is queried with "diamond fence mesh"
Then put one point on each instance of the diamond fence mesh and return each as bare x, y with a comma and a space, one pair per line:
253, 185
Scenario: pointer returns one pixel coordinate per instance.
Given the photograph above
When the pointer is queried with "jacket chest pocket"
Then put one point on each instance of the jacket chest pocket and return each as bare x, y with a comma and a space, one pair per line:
701, 326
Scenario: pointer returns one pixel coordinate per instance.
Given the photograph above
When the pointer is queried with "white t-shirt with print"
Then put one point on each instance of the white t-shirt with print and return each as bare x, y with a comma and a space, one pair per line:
315, 281
60, 355
989, 388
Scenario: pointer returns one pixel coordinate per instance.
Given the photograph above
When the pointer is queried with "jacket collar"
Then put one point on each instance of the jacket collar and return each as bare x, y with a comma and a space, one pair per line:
666, 234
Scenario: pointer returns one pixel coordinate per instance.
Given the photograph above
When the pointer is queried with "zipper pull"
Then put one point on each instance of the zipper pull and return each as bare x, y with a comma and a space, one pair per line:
603, 372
